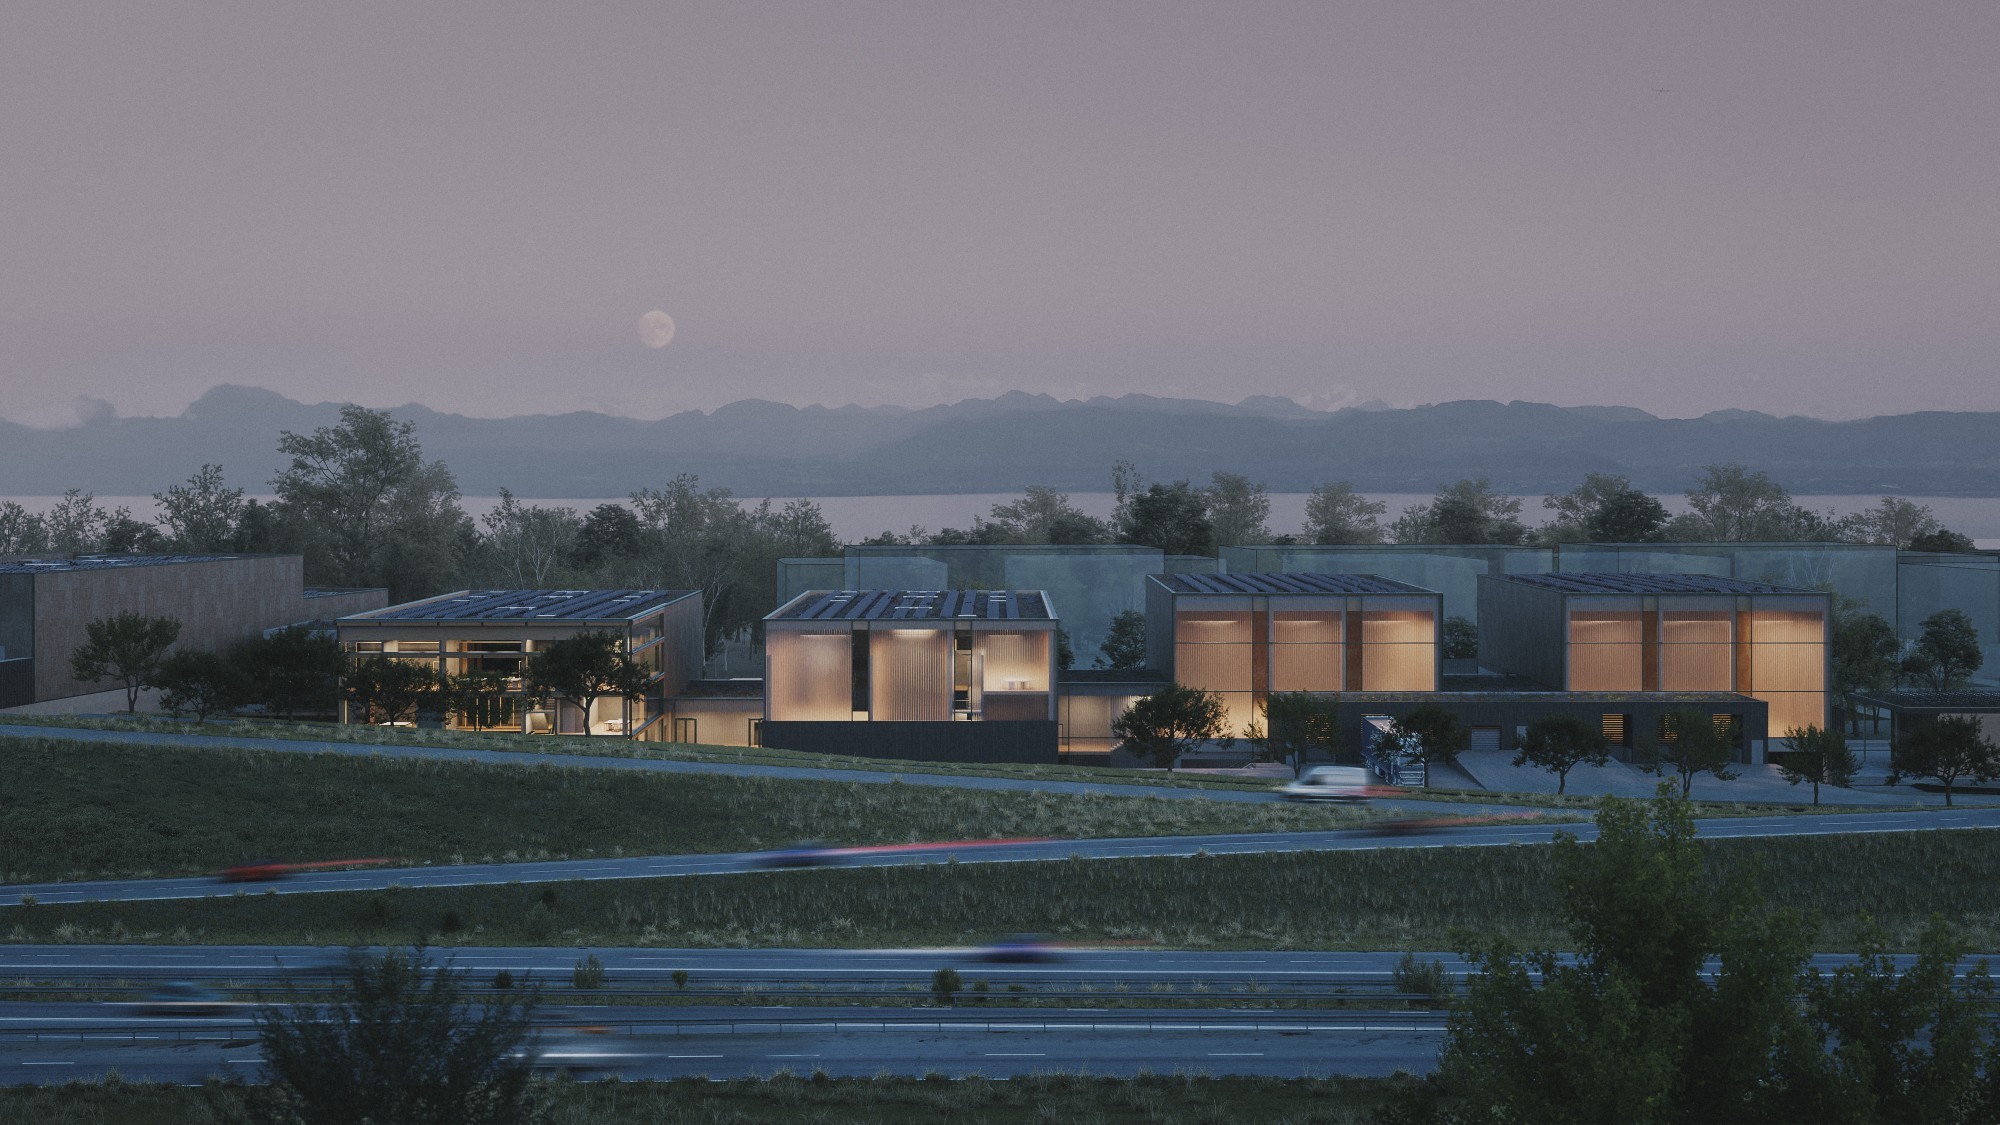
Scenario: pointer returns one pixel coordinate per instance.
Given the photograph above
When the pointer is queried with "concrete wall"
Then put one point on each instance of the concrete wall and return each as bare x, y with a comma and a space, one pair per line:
1033, 742
1523, 631
217, 601
1510, 711
327, 606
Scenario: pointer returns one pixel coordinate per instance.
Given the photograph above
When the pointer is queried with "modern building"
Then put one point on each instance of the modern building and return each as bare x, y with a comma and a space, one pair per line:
1662, 633
1244, 636
1092, 583
46, 601
499, 631
1889, 714
939, 675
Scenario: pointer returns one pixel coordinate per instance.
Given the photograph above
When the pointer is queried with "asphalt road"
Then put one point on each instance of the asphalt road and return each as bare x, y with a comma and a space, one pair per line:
654, 867
41, 1043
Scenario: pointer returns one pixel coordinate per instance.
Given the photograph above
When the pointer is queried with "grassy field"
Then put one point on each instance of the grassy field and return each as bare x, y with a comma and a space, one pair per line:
757, 755
1177, 1100
1389, 899
90, 810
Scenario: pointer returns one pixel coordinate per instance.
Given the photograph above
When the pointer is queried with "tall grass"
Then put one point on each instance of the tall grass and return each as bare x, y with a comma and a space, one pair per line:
1042, 1099
1420, 899
74, 810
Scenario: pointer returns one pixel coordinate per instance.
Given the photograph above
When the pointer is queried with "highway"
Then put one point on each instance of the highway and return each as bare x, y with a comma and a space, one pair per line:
41, 1043
1251, 1022
682, 866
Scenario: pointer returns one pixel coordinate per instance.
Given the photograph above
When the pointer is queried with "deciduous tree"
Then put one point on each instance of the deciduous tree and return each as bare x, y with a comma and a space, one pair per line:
1125, 646
1818, 756
1948, 749
1171, 721
1947, 652
200, 515
1172, 517
1238, 510
403, 1040
1605, 508
367, 507
126, 647
1297, 725
1735, 504
1469, 511
1430, 734
584, 668
392, 688
1335, 513
1689, 744
199, 683
1560, 743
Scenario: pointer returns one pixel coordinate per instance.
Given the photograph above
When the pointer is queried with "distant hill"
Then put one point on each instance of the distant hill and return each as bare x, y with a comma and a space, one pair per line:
990, 445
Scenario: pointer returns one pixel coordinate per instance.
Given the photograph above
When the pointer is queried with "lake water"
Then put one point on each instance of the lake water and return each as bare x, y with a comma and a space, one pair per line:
857, 517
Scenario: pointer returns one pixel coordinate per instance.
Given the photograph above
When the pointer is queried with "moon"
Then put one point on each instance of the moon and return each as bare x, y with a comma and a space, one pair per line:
656, 329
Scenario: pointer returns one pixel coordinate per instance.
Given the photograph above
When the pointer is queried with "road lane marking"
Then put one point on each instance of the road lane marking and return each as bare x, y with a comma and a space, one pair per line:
1016, 1054
1236, 1054
64, 1063
694, 1056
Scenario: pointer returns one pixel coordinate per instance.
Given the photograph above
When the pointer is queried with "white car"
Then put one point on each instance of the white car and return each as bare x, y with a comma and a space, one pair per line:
1329, 783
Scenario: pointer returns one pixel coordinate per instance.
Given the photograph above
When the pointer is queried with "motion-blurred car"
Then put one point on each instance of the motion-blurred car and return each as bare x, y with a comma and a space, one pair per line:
184, 998
1329, 783
582, 1050
1022, 949
262, 871
804, 854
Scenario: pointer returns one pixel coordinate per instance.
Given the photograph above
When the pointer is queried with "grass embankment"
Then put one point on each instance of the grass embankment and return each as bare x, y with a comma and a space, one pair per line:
608, 747
839, 1101
1404, 898
74, 810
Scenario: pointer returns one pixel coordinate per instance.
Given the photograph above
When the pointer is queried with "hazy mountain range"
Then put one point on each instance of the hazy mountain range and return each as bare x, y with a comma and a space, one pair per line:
991, 445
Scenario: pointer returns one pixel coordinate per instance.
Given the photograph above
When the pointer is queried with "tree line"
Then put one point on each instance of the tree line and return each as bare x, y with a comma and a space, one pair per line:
1730, 504
364, 507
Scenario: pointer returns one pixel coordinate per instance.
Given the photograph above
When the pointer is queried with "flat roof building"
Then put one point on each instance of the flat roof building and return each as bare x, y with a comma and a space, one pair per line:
47, 600
1244, 636
1662, 633
925, 674
498, 632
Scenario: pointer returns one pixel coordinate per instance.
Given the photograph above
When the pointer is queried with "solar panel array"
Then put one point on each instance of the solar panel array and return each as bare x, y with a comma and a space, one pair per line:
101, 562
531, 606
917, 605
1648, 584
1288, 584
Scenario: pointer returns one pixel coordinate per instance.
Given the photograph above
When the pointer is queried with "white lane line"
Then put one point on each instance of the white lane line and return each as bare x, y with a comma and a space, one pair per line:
1016, 1055
789, 1056
1236, 1054
694, 1056
65, 1063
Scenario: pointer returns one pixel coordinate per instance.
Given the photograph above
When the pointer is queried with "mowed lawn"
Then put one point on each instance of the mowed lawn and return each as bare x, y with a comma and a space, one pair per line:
72, 810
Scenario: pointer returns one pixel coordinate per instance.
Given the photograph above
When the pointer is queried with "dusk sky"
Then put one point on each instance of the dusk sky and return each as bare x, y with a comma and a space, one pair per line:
1791, 207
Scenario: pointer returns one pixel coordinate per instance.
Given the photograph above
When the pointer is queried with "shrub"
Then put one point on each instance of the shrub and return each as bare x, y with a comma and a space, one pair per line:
945, 984
589, 973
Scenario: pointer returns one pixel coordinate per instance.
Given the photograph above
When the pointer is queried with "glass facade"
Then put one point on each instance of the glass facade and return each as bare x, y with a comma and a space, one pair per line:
887, 673
1087, 585
1243, 648
1769, 647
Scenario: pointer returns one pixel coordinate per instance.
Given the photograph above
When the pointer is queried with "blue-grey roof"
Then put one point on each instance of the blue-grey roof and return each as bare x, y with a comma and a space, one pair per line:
1274, 583
917, 605
1646, 584
62, 564
527, 606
